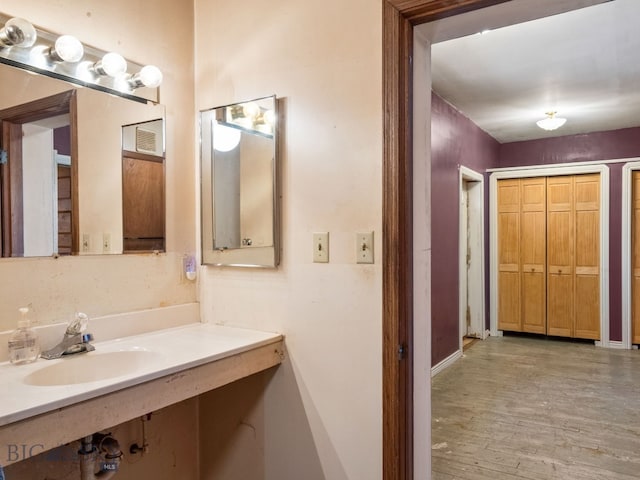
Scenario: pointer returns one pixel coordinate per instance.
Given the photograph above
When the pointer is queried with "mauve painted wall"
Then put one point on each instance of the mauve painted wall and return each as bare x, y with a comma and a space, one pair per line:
610, 145
455, 141
62, 140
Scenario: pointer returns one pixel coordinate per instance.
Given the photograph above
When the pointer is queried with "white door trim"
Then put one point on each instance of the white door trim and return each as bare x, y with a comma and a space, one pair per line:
467, 174
549, 171
626, 253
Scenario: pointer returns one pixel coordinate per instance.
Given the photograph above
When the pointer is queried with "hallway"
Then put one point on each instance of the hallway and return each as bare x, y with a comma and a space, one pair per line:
523, 408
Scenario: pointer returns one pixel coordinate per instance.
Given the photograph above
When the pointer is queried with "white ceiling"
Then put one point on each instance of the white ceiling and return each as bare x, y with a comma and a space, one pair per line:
584, 64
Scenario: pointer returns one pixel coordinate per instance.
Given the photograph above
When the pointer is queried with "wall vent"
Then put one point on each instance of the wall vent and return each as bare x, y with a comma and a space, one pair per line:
145, 141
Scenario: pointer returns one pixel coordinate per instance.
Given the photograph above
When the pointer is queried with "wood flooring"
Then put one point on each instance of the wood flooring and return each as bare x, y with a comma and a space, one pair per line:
518, 408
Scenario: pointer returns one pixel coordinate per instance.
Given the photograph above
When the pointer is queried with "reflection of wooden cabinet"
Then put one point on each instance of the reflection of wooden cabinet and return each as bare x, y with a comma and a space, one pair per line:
65, 211
143, 212
549, 254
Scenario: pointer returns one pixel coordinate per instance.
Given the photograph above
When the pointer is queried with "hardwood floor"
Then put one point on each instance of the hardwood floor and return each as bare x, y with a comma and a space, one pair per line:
526, 408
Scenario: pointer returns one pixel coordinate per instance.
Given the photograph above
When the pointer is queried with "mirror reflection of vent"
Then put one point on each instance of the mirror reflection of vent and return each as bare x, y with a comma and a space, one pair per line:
145, 141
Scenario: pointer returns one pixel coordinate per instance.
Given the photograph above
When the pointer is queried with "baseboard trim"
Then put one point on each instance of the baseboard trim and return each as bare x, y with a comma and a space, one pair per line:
616, 344
446, 363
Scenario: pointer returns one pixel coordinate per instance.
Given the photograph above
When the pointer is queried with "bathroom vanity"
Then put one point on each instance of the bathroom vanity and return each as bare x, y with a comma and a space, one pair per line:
51, 402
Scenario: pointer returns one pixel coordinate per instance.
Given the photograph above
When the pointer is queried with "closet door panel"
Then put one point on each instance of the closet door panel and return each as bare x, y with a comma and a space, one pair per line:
587, 304
560, 305
533, 302
560, 245
533, 254
508, 255
587, 256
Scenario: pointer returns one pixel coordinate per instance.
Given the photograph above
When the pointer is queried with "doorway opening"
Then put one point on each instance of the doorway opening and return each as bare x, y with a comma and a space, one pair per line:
406, 431
471, 258
38, 172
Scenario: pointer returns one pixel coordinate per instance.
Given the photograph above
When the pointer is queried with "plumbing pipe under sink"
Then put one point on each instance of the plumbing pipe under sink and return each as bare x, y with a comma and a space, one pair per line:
102, 449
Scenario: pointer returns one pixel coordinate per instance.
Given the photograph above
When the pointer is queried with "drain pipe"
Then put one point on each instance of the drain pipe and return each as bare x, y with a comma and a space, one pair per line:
107, 454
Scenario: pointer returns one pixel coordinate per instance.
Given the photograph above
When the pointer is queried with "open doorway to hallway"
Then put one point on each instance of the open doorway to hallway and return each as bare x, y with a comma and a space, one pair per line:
471, 258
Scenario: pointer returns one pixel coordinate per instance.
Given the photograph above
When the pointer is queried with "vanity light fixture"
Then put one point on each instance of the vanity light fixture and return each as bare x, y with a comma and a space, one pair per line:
64, 57
149, 76
66, 48
250, 116
18, 32
551, 122
112, 64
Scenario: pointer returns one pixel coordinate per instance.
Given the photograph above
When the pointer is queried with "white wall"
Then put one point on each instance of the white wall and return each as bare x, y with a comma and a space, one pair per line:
323, 407
101, 285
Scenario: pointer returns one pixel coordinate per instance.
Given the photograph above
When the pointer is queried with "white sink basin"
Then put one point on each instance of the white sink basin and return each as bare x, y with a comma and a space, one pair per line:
91, 367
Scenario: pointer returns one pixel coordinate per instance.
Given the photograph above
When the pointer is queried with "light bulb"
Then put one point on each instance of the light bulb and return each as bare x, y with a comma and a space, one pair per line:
112, 64
67, 49
251, 110
225, 138
151, 76
18, 32
270, 117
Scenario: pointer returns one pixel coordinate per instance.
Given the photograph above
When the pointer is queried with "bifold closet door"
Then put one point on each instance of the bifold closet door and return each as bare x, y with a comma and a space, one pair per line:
587, 277
521, 255
635, 265
509, 255
533, 254
560, 242
573, 256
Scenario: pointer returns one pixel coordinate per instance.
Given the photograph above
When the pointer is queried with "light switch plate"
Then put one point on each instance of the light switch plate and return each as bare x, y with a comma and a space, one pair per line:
106, 243
321, 247
86, 242
364, 247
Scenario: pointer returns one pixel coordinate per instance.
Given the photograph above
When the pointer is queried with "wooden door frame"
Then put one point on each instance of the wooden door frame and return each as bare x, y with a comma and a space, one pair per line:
631, 165
399, 18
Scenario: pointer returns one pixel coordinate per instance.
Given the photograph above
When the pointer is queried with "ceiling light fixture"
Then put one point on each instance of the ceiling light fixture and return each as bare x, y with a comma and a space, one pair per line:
18, 32
551, 122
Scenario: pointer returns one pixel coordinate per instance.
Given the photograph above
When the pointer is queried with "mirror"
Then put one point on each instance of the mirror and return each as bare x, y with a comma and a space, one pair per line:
239, 184
62, 169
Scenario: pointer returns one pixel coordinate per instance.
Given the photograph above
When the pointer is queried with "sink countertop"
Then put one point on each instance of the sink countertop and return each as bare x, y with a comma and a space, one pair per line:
178, 349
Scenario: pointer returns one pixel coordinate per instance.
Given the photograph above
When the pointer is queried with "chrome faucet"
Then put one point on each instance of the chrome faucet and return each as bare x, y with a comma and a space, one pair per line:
73, 341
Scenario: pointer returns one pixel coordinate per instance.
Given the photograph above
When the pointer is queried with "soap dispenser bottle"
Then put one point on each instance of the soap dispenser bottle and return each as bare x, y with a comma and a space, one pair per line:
23, 343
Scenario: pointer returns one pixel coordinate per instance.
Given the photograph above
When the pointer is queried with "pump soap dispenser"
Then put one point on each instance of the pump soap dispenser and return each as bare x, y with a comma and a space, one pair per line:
23, 343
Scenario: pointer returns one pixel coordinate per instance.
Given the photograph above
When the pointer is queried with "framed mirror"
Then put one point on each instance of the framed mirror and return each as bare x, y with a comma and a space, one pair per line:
239, 188
61, 166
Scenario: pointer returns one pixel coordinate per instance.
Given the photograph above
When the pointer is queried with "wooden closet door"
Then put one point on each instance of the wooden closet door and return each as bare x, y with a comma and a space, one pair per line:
533, 254
635, 265
587, 256
560, 251
509, 255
